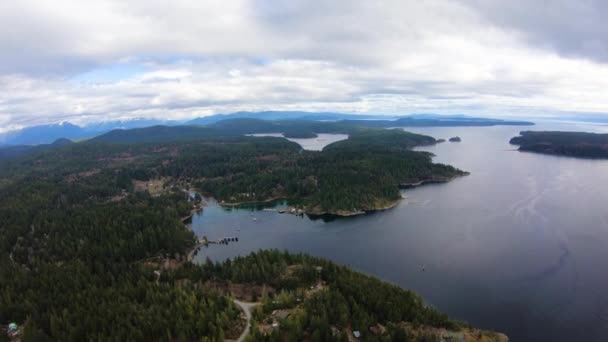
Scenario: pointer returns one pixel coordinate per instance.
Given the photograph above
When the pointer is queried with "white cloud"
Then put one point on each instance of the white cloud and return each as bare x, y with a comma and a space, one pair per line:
201, 57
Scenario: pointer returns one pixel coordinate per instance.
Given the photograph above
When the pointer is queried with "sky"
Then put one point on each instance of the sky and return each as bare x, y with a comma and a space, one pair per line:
102, 60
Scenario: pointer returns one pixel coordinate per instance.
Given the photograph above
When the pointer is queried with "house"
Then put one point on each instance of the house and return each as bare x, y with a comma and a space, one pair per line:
281, 314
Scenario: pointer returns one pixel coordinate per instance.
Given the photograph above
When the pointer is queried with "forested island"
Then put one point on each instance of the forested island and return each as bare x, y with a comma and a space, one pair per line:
572, 144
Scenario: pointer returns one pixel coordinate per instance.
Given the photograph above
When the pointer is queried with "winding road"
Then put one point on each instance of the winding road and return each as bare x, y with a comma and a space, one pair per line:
246, 307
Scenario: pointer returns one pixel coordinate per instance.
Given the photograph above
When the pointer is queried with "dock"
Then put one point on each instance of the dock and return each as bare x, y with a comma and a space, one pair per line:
225, 240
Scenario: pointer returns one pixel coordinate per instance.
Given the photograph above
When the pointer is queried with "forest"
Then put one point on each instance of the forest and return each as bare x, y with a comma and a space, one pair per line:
362, 173
572, 144
92, 244
353, 176
304, 298
71, 263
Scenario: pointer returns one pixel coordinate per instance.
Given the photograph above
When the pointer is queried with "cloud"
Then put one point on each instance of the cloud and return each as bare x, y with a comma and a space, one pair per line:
102, 60
570, 28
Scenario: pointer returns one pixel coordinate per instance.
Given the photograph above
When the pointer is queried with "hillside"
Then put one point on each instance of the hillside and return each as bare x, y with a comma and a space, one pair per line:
45, 134
157, 134
12, 152
87, 253
572, 144
354, 176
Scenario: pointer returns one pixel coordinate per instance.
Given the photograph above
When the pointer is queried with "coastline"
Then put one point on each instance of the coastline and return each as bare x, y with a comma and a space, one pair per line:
433, 180
316, 212
347, 213
236, 204
392, 204
548, 152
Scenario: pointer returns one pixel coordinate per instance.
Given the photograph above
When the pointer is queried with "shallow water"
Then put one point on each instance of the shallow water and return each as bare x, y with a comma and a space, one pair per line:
518, 246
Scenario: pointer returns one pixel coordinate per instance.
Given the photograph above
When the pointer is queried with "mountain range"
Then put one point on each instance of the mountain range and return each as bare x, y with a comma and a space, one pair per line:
46, 134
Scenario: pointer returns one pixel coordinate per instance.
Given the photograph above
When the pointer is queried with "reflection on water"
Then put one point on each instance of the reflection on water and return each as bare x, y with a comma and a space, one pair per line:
517, 246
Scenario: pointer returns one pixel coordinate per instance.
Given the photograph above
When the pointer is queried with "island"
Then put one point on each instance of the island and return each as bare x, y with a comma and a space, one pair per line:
455, 139
572, 144
93, 247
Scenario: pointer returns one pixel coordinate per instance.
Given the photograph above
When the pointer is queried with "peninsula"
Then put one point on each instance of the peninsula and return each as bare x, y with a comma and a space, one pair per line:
350, 177
93, 246
572, 144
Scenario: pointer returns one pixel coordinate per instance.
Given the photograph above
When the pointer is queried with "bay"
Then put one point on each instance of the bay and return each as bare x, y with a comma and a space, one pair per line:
518, 246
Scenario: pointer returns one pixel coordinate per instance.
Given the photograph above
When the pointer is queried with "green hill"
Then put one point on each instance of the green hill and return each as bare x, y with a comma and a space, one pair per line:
572, 144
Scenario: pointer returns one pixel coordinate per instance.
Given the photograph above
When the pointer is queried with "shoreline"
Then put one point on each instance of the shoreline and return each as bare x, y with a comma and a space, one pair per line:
393, 204
237, 204
410, 185
345, 213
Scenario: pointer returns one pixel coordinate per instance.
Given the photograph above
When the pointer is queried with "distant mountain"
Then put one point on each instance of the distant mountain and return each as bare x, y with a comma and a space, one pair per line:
287, 115
289, 127
46, 134
379, 119
413, 120
102, 127
156, 134
10, 152
62, 142
42, 134
455, 121
246, 126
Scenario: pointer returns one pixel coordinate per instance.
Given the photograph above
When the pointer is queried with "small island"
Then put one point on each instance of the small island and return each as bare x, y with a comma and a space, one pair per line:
439, 141
455, 139
572, 144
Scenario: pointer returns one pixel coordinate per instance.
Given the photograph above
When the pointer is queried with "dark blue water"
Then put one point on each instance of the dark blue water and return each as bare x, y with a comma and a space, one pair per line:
519, 246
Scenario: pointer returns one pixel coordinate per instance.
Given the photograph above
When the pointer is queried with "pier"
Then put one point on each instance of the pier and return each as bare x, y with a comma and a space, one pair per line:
225, 240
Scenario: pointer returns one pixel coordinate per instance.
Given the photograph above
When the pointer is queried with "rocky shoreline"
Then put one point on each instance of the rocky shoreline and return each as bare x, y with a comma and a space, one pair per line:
392, 204
434, 180
237, 204
317, 212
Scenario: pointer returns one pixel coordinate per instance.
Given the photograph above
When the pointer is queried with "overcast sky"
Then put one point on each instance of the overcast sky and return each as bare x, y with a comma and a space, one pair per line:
88, 61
